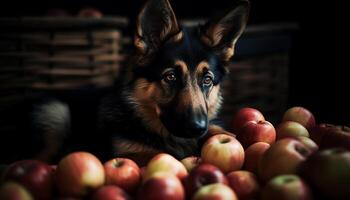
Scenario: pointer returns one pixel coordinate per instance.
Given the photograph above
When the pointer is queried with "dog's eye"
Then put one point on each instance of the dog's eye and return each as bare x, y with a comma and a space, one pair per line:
207, 80
169, 77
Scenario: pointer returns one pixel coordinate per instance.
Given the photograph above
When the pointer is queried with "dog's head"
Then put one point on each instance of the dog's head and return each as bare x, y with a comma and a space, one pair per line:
177, 71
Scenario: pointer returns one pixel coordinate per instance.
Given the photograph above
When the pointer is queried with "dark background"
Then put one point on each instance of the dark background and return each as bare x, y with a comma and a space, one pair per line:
319, 56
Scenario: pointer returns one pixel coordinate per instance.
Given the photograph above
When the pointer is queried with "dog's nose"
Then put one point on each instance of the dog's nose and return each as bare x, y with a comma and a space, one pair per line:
198, 127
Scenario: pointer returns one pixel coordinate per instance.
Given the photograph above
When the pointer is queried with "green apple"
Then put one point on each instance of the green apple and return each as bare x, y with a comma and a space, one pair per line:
216, 191
14, 191
286, 187
329, 172
291, 129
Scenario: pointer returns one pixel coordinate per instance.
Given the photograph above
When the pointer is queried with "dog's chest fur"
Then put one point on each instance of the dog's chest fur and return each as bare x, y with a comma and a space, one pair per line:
130, 135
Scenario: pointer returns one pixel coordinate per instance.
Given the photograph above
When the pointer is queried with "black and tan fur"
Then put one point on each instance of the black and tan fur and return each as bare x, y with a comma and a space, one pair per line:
168, 98
171, 92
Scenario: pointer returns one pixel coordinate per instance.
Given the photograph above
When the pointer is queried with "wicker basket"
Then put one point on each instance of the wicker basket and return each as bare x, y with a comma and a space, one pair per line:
260, 82
57, 54
258, 75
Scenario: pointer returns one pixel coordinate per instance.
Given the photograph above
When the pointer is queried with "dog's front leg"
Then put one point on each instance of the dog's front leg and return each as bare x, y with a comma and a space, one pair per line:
138, 152
214, 129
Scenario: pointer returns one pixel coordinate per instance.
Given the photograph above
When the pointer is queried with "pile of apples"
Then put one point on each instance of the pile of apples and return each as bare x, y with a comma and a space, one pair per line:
298, 159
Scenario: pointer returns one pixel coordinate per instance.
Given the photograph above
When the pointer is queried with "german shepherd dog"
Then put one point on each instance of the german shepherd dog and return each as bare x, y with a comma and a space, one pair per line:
170, 93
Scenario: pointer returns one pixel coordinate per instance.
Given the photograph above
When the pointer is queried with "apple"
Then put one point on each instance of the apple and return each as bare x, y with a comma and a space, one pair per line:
14, 191
309, 143
78, 173
223, 151
35, 175
162, 185
142, 171
191, 162
53, 167
90, 12
110, 192
283, 157
215, 191
301, 115
245, 184
260, 131
244, 115
330, 135
328, 171
201, 175
123, 172
167, 163
286, 187
253, 155
291, 129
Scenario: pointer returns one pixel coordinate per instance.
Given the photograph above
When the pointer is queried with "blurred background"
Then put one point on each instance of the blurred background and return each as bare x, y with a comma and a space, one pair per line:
292, 53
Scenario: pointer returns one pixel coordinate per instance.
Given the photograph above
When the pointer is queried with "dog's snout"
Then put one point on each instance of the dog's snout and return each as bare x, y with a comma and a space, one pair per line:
190, 124
197, 123
198, 126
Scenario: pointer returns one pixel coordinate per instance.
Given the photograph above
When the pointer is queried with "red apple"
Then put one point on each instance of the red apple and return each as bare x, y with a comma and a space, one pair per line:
223, 151
35, 175
286, 187
253, 155
244, 115
245, 184
328, 171
142, 171
110, 192
330, 135
291, 129
123, 172
201, 175
301, 115
77, 173
166, 163
53, 167
215, 191
252, 132
90, 12
283, 157
14, 191
162, 185
191, 162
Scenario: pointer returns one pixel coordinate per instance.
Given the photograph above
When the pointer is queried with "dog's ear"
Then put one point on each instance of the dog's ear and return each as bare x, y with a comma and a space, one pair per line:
156, 23
221, 34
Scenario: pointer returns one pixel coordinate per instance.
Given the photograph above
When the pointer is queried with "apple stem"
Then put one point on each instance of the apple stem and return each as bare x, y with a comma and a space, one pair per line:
118, 164
288, 180
301, 150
